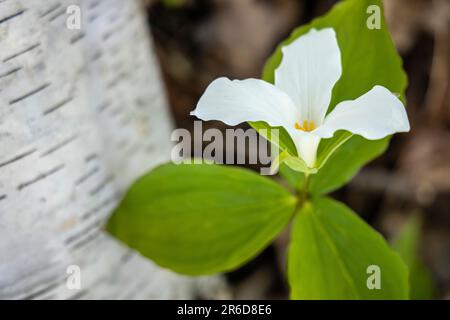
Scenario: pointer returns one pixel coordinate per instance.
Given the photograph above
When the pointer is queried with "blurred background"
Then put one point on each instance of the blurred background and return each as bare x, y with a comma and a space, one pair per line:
200, 40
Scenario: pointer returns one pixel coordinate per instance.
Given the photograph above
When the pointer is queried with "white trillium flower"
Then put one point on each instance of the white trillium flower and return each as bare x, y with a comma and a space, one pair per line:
299, 100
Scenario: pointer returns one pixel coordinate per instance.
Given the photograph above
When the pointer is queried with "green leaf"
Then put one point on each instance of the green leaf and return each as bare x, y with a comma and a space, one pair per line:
285, 142
342, 166
328, 147
407, 245
368, 58
331, 249
286, 148
298, 165
201, 219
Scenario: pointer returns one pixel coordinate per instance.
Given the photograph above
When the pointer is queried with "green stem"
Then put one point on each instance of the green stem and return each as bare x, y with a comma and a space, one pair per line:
306, 187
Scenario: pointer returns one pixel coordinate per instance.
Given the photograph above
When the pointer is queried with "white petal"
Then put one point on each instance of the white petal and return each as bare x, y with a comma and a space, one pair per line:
375, 115
237, 101
307, 144
310, 67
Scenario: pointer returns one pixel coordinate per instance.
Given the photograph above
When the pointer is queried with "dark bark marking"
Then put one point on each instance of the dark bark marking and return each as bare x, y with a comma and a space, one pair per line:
18, 157
40, 177
29, 94
15, 55
57, 106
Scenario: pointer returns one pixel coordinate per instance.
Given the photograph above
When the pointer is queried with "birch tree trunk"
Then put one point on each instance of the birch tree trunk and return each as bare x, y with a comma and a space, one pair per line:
82, 115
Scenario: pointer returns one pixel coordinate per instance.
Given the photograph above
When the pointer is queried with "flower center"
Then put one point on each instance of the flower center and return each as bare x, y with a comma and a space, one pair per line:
307, 126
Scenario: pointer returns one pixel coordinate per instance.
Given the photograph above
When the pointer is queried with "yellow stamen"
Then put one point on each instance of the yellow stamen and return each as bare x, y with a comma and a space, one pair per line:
307, 126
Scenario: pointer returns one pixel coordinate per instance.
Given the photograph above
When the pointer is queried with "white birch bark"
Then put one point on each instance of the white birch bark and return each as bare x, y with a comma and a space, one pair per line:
82, 115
